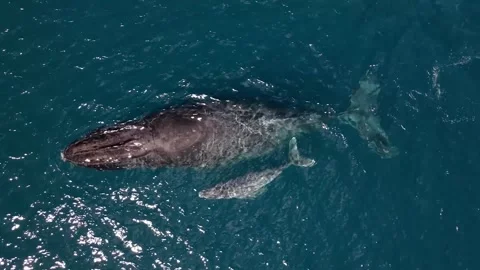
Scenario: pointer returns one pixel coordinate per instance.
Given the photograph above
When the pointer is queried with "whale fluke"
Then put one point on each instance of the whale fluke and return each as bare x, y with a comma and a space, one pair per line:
361, 115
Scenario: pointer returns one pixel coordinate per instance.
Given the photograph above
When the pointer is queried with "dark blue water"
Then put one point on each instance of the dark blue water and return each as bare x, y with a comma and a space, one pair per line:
69, 67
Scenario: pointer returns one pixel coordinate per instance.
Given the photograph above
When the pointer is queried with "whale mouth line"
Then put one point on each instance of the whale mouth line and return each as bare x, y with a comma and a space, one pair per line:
102, 147
94, 152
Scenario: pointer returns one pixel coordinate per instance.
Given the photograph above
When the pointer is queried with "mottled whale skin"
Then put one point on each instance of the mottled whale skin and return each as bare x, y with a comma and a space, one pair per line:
193, 135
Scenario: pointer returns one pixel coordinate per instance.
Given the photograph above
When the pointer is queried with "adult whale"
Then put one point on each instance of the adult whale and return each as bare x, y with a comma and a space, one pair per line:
205, 135
193, 135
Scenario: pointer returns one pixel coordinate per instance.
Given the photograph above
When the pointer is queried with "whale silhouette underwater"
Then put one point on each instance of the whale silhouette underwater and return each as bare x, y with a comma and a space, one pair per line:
219, 133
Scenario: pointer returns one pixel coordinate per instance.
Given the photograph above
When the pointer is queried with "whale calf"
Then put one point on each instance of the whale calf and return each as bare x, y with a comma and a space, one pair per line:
253, 184
206, 135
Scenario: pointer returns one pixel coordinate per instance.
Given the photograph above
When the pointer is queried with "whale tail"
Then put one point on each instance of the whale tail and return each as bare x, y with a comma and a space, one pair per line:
295, 157
361, 116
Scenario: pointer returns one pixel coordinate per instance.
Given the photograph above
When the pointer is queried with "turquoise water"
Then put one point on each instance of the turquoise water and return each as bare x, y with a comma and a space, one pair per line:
67, 68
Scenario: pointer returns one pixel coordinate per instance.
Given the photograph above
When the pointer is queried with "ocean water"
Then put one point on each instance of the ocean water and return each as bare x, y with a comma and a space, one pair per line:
69, 67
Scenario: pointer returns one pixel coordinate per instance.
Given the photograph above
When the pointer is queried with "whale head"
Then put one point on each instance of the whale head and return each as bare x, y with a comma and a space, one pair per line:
217, 192
117, 147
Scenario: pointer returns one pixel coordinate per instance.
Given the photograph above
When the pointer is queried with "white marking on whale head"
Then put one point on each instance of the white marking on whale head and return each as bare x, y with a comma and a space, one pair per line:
87, 160
199, 118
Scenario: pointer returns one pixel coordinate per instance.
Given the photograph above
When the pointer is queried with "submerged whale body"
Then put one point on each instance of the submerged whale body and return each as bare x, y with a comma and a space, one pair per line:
193, 135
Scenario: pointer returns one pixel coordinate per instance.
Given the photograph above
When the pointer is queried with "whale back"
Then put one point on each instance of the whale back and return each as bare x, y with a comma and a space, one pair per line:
176, 136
